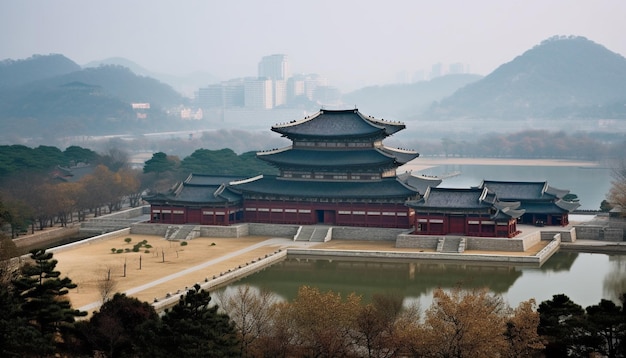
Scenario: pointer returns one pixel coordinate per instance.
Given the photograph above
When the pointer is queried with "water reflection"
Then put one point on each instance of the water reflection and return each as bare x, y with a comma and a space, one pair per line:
586, 278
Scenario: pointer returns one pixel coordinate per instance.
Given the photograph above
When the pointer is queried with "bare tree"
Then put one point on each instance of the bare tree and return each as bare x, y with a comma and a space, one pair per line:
251, 312
107, 285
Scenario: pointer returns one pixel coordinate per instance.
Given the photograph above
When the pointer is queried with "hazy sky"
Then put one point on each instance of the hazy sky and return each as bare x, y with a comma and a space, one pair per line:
352, 43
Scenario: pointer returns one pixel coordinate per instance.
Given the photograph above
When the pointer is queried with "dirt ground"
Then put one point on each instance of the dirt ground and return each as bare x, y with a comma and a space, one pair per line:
167, 266
89, 265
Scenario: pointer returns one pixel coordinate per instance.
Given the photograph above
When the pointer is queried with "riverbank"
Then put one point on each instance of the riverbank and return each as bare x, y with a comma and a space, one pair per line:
158, 271
422, 163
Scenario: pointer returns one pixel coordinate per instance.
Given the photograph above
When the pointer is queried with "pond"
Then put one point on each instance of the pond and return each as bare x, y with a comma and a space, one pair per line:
585, 278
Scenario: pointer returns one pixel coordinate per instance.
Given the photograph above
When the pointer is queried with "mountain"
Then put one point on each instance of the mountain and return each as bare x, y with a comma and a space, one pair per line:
562, 77
402, 100
186, 84
55, 97
35, 68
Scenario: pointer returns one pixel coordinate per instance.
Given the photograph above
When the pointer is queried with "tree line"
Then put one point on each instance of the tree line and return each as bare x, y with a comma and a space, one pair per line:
529, 144
37, 320
35, 194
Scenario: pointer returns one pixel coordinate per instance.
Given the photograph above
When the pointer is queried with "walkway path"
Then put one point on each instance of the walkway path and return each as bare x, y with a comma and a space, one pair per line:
270, 242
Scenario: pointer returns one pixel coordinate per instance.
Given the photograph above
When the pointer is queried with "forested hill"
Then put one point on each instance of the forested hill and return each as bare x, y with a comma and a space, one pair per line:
18, 72
52, 96
563, 77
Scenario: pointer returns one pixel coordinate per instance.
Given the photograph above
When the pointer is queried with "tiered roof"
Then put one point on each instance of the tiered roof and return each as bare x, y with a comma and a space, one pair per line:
272, 185
338, 123
337, 158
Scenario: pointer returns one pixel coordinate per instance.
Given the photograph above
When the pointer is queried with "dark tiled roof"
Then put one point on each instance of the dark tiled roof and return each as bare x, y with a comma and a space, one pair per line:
543, 208
466, 199
203, 179
402, 156
198, 189
452, 198
518, 190
326, 158
420, 183
342, 123
385, 188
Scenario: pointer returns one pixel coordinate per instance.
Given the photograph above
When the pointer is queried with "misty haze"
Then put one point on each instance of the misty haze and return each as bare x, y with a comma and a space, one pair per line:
340, 178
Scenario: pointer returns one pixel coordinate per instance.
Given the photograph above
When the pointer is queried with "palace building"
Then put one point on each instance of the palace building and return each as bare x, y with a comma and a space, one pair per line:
542, 203
337, 171
472, 212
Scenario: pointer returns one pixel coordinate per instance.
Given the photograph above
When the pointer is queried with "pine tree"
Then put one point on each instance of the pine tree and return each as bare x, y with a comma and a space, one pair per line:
41, 292
199, 329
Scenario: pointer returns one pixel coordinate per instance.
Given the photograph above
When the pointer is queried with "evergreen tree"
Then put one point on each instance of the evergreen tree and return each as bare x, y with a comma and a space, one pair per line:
560, 322
193, 328
114, 329
41, 293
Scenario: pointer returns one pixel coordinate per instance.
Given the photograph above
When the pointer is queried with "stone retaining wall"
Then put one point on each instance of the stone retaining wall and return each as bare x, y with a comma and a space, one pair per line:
531, 260
236, 273
472, 243
149, 229
417, 241
90, 241
599, 232
128, 213
567, 235
273, 230
234, 231
48, 235
366, 233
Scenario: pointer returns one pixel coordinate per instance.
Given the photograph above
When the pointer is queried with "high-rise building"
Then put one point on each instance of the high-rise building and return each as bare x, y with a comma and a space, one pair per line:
226, 94
275, 67
258, 93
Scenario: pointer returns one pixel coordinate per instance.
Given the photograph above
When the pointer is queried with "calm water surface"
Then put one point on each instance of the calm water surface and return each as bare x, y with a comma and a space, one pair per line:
585, 278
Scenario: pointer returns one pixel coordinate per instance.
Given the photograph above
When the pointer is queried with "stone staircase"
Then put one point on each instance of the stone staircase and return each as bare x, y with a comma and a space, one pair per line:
182, 232
313, 234
451, 244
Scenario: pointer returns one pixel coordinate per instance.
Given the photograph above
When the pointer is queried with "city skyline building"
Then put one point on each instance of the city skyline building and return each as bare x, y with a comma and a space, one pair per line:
274, 67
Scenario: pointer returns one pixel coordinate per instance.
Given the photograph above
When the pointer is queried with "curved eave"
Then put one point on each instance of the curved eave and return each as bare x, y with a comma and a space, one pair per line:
330, 158
402, 156
338, 123
568, 206
386, 188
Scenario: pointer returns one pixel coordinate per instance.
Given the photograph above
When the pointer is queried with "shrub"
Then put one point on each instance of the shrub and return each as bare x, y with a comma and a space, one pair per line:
119, 251
212, 244
183, 243
148, 246
128, 240
127, 250
135, 249
146, 252
113, 250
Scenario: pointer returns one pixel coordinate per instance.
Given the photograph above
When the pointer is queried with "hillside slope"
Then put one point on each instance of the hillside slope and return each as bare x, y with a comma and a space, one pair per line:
563, 77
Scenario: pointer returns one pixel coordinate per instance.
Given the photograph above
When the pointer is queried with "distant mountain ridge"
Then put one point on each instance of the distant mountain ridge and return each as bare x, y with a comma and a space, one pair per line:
563, 77
53, 96
405, 100
185, 84
38, 67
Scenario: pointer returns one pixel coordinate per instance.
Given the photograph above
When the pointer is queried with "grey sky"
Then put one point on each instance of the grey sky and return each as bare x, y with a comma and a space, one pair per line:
352, 43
